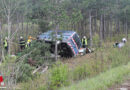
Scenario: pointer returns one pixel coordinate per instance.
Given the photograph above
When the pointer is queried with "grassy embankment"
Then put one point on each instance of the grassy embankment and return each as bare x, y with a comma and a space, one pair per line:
97, 68
102, 81
116, 73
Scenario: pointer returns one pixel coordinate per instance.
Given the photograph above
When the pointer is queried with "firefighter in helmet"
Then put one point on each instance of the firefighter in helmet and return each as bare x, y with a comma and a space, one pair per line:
29, 41
6, 44
22, 43
84, 42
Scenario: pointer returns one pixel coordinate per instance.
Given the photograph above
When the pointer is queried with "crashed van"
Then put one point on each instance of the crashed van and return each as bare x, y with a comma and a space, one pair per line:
68, 42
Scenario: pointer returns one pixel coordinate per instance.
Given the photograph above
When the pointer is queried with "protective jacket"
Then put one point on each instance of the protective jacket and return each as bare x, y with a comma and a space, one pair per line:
84, 41
5, 43
22, 42
28, 44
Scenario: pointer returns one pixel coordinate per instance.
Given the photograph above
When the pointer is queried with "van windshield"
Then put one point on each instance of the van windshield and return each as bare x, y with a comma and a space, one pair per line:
77, 40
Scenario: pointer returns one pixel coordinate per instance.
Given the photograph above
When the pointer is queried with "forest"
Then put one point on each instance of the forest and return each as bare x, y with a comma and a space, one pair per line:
103, 22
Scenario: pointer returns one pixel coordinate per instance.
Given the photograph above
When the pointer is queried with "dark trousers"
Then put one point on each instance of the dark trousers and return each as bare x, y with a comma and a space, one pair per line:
22, 47
84, 46
29, 44
6, 49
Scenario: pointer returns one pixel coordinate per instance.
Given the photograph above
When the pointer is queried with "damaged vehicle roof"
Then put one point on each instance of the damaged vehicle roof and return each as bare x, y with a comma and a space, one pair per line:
49, 35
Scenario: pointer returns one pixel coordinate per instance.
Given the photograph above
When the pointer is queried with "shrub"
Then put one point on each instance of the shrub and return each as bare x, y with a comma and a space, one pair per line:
9, 59
25, 73
39, 53
58, 76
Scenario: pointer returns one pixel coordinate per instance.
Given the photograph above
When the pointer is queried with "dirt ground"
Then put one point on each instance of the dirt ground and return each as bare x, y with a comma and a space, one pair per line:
124, 86
72, 62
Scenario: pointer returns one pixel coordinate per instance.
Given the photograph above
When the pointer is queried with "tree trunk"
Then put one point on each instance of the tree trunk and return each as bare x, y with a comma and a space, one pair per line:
111, 29
95, 24
104, 27
90, 28
84, 29
9, 32
27, 30
22, 23
56, 46
1, 44
126, 29
107, 28
117, 27
101, 29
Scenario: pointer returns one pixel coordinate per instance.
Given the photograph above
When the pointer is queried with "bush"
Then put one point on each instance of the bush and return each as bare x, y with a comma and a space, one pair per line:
10, 59
39, 53
35, 55
58, 76
25, 73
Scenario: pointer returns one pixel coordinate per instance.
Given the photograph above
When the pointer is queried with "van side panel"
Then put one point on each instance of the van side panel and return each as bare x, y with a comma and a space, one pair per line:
73, 46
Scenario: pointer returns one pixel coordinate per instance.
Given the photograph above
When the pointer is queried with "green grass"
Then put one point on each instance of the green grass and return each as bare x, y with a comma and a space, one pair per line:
102, 81
100, 71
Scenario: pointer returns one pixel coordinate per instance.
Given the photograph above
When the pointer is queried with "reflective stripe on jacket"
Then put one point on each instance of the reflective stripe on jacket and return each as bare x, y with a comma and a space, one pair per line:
22, 42
84, 41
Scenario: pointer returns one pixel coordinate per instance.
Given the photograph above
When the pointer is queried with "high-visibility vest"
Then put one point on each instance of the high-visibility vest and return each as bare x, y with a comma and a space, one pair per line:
28, 42
84, 41
5, 43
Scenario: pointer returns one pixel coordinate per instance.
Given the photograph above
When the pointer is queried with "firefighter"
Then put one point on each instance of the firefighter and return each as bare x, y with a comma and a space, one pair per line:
22, 43
120, 44
124, 40
28, 44
6, 44
84, 42
30, 38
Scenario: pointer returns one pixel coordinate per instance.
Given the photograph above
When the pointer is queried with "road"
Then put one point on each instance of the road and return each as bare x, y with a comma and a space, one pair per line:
124, 86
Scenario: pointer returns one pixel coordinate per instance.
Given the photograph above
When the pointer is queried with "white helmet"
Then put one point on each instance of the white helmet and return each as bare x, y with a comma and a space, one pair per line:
21, 37
124, 40
84, 37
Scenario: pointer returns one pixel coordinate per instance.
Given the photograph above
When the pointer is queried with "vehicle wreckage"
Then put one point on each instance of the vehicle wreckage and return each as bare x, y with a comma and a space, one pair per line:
69, 43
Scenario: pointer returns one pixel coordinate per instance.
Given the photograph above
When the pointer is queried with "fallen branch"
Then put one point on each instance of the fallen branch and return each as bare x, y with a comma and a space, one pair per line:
43, 70
36, 70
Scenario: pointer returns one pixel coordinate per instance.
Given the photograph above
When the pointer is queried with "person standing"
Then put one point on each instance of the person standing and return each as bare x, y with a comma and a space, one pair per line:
6, 44
22, 43
29, 41
28, 44
84, 42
